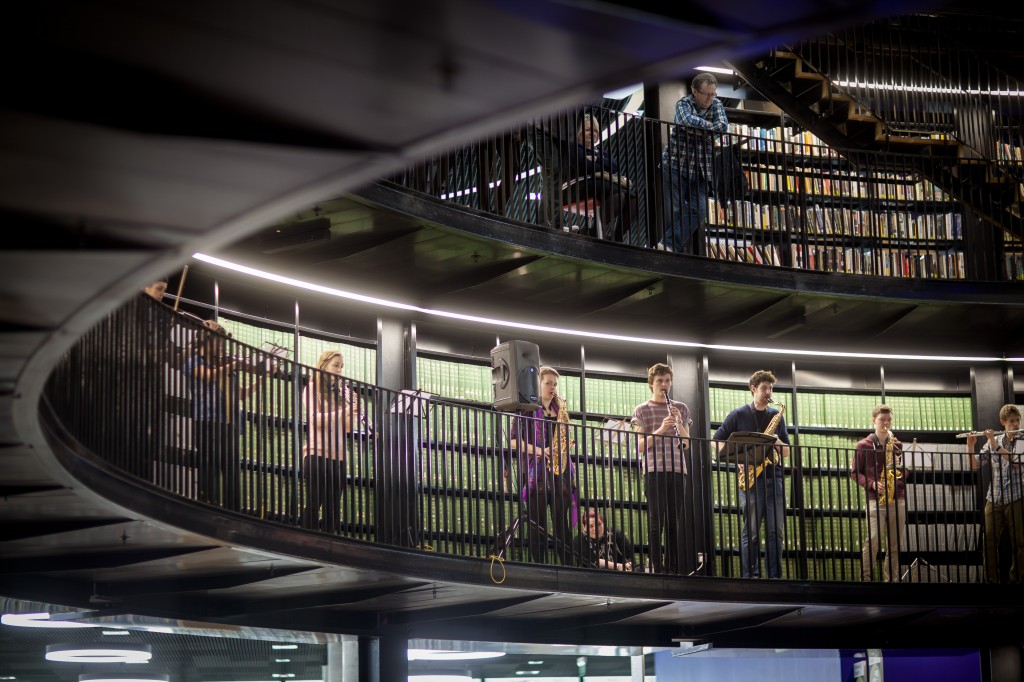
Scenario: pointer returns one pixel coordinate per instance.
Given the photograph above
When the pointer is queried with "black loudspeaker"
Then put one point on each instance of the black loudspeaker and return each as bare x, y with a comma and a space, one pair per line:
515, 376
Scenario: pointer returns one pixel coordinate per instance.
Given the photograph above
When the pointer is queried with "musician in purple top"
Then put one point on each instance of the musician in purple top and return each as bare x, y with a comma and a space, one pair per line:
547, 473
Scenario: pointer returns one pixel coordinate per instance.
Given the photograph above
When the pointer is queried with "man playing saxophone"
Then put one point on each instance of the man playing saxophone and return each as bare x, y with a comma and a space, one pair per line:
878, 468
674, 510
763, 499
543, 443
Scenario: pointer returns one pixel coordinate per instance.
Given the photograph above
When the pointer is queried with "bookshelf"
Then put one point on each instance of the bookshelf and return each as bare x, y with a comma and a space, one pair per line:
828, 411
808, 207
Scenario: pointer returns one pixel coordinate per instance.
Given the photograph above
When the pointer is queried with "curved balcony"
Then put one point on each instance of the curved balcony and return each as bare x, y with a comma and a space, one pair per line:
434, 490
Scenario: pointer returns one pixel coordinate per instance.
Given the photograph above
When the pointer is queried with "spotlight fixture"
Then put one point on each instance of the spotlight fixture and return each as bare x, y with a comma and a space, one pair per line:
123, 677
39, 620
99, 653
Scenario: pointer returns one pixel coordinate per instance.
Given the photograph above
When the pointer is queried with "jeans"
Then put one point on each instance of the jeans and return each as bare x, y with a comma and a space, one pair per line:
669, 505
686, 207
766, 501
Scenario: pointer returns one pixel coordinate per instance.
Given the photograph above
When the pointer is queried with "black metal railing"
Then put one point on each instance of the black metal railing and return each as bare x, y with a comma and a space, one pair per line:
773, 197
174, 404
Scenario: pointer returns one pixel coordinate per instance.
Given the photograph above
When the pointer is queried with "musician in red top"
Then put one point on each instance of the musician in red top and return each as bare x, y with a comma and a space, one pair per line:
878, 468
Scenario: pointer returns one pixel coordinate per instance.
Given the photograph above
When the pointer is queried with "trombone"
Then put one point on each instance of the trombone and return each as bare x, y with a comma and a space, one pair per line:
967, 434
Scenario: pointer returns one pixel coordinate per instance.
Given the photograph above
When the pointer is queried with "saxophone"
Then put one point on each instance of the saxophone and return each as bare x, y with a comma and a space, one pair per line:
562, 443
886, 483
751, 473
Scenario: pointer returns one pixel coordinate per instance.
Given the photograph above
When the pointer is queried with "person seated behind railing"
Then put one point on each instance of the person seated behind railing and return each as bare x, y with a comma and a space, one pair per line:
331, 412
597, 547
597, 176
217, 419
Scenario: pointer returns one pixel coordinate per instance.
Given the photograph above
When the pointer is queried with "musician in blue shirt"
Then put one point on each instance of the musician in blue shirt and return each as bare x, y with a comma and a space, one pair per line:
765, 501
1004, 503
687, 161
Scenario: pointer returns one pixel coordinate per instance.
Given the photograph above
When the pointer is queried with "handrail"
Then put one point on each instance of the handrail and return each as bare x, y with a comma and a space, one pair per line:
776, 198
402, 483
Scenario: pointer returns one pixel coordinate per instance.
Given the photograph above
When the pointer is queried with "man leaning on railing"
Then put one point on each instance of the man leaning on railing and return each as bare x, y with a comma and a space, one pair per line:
687, 162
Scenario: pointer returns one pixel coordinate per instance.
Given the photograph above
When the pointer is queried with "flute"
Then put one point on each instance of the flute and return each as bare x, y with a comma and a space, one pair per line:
967, 434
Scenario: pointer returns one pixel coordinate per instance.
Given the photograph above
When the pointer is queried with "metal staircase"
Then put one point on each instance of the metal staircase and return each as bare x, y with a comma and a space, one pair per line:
908, 86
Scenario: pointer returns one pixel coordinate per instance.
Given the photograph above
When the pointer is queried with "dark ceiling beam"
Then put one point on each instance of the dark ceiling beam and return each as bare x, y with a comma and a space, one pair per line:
710, 630
319, 600
21, 530
606, 616
15, 490
69, 84
620, 296
478, 275
459, 611
184, 583
884, 324
759, 312
83, 561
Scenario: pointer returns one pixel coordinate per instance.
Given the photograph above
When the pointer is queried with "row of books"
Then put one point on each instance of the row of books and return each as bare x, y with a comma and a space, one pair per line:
1009, 152
742, 251
360, 361
452, 379
1014, 266
829, 409
885, 262
836, 220
838, 184
471, 382
780, 139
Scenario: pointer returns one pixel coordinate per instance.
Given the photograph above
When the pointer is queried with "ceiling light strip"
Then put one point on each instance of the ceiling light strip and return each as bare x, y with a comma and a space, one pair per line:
526, 326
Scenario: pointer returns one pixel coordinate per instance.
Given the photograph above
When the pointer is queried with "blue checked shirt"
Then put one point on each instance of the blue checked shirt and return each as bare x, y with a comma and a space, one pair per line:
690, 142
1006, 479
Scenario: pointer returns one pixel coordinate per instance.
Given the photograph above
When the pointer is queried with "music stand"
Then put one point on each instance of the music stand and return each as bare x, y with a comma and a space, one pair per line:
613, 431
743, 446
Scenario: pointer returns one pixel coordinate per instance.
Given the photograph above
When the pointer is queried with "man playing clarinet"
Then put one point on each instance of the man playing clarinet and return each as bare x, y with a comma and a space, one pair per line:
665, 425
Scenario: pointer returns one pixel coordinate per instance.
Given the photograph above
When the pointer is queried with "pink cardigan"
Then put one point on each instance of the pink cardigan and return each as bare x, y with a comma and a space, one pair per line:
329, 420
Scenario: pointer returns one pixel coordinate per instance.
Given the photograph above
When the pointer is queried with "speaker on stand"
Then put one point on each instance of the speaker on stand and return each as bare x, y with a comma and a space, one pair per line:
515, 377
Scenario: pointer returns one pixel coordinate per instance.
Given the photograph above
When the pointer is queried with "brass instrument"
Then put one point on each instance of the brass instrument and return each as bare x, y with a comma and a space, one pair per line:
751, 473
886, 483
562, 444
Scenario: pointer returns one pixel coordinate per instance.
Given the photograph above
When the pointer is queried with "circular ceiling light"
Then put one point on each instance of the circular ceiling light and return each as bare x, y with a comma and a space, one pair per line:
99, 653
432, 655
122, 677
39, 620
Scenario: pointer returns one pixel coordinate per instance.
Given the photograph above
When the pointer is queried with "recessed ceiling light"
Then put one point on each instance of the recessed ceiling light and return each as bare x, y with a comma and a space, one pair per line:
98, 653
284, 646
113, 633
535, 662
432, 655
282, 676
527, 672
282, 660
39, 620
